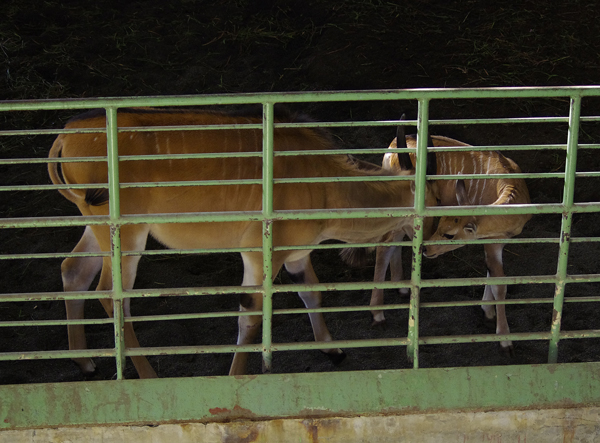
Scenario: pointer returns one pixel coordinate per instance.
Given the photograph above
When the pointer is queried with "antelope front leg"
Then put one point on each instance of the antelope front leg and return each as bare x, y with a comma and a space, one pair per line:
249, 325
396, 273
493, 260
383, 257
248, 328
77, 276
300, 272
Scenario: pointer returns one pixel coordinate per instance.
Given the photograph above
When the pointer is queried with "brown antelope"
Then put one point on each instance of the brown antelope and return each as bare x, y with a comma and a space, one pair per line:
461, 192
78, 272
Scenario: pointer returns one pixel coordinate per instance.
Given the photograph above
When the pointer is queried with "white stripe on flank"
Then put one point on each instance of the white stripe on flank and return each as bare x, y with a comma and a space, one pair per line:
443, 166
475, 188
168, 152
240, 148
489, 168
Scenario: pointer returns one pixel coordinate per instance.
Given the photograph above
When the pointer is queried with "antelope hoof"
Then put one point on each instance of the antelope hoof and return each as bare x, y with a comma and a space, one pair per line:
379, 324
508, 350
336, 358
89, 371
489, 322
96, 375
265, 370
86, 366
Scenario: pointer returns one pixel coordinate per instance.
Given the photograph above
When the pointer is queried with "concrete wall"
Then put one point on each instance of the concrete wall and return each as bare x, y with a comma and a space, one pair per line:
543, 426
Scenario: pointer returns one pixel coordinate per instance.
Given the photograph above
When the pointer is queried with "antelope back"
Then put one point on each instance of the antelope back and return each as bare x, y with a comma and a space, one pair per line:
479, 191
219, 196
243, 197
476, 192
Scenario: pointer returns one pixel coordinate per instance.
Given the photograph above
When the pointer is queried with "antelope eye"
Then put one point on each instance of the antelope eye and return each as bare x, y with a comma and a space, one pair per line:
448, 236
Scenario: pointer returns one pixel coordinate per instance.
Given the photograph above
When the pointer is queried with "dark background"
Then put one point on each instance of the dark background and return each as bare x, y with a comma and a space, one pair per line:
70, 49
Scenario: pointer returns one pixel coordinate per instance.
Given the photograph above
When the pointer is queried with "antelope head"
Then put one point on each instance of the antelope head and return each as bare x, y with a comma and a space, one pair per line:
453, 227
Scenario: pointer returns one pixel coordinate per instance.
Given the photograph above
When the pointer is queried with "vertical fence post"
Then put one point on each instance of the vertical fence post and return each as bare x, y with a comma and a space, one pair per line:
565, 230
420, 190
267, 205
112, 152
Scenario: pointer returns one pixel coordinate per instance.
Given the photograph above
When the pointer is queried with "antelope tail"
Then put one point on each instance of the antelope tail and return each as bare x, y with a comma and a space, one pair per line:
56, 176
357, 257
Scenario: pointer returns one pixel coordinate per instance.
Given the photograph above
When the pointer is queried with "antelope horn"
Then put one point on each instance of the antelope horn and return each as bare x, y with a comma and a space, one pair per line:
403, 158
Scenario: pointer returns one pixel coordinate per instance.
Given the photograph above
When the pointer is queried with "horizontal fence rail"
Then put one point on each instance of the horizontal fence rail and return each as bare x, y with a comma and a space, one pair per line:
569, 285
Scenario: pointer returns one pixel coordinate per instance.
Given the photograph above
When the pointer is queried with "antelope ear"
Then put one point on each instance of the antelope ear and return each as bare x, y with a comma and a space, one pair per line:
470, 228
461, 193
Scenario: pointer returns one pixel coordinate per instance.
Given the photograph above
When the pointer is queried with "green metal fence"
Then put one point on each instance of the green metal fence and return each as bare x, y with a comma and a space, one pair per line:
317, 394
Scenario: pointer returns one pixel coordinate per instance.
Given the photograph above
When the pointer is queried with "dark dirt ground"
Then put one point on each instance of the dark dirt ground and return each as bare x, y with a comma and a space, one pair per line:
65, 49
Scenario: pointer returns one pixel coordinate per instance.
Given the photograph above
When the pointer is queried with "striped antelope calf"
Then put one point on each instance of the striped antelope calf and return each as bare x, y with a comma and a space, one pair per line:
78, 273
463, 192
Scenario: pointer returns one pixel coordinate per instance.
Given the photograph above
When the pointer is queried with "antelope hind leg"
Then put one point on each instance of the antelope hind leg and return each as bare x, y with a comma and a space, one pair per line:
133, 238
77, 275
249, 325
383, 257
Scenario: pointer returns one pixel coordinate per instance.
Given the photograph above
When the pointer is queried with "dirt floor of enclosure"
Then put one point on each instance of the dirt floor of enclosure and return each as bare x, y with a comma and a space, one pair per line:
71, 49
